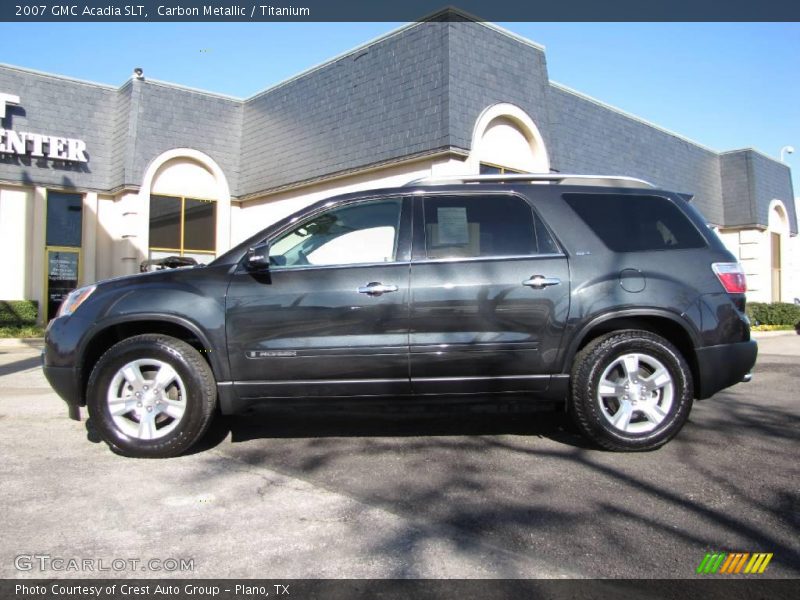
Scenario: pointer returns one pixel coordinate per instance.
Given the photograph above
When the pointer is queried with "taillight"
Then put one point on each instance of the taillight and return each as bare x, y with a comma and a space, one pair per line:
731, 276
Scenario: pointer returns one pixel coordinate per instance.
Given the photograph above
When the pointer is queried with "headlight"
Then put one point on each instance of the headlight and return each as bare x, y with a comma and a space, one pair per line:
74, 300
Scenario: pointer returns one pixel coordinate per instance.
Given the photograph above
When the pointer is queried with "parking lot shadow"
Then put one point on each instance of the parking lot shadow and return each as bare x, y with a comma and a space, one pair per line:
391, 419
18, 366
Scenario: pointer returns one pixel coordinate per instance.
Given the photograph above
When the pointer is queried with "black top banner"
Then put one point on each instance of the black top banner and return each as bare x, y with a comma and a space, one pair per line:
405, 10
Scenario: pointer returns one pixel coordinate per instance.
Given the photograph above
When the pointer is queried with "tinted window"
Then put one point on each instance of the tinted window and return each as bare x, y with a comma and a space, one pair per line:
165, 222
64, 219
475, 226
362, 233
633, 223
199, 225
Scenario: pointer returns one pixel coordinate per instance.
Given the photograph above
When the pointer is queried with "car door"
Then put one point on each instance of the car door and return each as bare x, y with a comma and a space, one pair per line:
490, 295
330, 318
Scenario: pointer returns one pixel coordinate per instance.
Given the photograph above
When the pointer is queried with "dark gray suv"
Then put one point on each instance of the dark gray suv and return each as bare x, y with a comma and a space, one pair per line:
602, 295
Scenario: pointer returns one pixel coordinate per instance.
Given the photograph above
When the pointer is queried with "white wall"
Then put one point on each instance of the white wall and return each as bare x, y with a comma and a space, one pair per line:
107, 237
753, 249
791, 263
503, 144
791, 278
16, 211
184, 177
130, 228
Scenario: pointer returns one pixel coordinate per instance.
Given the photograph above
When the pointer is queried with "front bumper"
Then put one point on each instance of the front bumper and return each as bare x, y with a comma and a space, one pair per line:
66, 382
722, 366
60, 362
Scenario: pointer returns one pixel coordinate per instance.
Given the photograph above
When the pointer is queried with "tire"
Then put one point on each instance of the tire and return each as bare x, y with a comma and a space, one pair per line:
645, 396
151, 396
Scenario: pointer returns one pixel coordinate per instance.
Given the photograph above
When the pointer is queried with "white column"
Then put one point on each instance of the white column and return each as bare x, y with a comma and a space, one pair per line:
133, 234
89, 243
14, 208
36, 251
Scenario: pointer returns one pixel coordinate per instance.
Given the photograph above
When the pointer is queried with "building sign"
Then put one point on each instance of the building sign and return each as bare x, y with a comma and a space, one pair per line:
24, 143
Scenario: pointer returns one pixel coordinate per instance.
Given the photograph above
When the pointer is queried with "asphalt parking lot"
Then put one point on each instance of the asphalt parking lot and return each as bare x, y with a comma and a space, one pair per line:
404, 493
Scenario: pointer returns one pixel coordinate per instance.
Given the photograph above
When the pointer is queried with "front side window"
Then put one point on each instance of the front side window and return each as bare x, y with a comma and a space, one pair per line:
636, 223
483, 226
363, 233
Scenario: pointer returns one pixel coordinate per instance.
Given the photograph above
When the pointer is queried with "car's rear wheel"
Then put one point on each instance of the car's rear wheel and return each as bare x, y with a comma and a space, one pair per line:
630, 390
151, 396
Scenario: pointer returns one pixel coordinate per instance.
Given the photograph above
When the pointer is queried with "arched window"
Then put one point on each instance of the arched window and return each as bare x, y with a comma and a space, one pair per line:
506, 140
778, 229
187, 206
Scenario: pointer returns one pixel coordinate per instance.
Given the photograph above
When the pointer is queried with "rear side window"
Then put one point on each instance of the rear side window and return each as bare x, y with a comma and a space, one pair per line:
633, 223
483, 226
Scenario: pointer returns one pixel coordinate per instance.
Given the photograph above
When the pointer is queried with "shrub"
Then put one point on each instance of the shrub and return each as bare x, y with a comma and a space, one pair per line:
27, 331
18, 313
775, 313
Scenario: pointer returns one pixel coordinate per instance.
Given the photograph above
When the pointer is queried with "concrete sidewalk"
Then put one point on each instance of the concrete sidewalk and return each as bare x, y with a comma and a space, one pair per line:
21, 343
785, 343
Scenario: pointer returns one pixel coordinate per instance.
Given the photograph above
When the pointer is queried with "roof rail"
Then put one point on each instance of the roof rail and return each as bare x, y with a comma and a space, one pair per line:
561, 178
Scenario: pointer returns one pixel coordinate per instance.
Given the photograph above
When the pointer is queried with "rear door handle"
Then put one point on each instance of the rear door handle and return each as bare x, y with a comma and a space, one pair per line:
376, 288
538, 282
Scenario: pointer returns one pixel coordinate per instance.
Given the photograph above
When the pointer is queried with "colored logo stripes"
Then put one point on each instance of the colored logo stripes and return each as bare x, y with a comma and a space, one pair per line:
733, 563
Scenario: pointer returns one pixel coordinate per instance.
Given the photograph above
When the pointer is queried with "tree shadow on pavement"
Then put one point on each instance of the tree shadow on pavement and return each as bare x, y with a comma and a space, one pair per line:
394, 420
524, 491
25, 364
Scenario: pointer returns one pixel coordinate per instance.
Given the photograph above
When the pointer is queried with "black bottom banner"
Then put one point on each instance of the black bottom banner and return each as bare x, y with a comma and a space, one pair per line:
391, 589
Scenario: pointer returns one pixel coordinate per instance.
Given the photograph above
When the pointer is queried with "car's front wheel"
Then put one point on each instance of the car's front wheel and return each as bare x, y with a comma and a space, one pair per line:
630, 390
151, 396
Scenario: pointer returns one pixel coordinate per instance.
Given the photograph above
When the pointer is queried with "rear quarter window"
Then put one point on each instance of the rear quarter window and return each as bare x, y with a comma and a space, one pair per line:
636, 223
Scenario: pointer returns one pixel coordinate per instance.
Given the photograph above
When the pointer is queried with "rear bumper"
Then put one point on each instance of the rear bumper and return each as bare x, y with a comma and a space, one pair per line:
722, 366
66, 382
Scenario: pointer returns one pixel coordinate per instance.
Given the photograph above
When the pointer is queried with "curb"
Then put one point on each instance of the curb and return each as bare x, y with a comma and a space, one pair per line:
769, 334
21, 342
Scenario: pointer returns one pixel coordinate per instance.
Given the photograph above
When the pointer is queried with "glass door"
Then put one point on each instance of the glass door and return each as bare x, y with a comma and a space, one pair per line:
63, 274
62, 247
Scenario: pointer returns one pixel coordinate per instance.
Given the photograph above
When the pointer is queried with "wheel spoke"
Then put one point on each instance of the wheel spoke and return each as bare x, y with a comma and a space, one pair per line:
610, 388
622, 418
657, 380
147, 426
630, 364
120, 406
653, 413
173, 408
133, 375
166, 375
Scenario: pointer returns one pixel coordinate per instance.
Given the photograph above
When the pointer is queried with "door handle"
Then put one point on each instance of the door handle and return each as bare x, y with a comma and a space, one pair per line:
376, 288
538, 282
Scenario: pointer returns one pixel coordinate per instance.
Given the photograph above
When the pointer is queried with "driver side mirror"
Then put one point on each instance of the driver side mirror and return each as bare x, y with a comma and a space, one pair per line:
258, 257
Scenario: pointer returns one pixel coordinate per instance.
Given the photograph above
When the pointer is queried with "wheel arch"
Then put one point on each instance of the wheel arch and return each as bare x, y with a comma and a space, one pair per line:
668, 325
120, 328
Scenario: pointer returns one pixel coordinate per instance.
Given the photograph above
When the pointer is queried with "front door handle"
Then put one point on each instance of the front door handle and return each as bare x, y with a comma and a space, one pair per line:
538, 282
376, 288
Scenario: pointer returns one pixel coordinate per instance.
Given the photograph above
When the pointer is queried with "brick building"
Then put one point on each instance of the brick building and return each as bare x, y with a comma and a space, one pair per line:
94, 179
